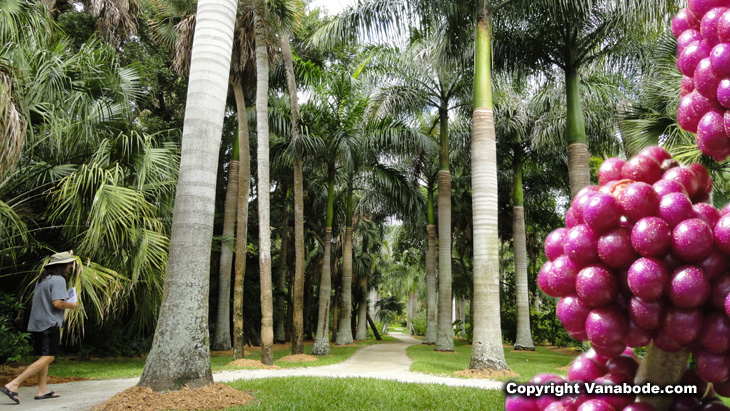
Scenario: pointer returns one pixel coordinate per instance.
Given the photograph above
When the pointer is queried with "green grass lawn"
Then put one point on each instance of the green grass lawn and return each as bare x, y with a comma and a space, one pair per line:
110, 368
353, 394
524, 363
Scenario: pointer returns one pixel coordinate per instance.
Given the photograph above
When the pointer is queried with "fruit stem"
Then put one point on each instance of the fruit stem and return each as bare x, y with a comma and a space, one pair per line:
661, 368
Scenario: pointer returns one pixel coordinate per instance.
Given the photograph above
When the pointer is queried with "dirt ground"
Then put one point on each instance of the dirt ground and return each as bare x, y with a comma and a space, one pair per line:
488, 374
9, 372
244, 362
299, 358
213, 397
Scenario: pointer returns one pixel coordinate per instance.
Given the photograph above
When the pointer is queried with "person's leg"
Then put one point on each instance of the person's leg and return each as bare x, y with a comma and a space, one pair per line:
43, 381
39, 365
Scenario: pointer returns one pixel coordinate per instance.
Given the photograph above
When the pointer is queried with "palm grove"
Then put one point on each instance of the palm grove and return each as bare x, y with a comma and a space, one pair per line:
238, 173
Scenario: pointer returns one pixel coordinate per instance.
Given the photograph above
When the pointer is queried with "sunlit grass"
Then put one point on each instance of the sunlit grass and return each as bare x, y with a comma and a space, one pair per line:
354, 394
524, 363
112, 368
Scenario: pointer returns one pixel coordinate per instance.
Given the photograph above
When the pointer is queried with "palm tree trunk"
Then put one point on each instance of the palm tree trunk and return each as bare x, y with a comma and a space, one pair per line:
487, 352
445, 332
180, 354
362, 323
262, 129
222, 336
280, 325
578, 156
430, 337
344, 332
244, 186
524, 336
321, 341
298, 319
662, 369
413, 310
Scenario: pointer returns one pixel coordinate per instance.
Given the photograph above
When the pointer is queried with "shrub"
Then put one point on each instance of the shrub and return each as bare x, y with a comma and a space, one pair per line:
546, 328
13, 343
419, 323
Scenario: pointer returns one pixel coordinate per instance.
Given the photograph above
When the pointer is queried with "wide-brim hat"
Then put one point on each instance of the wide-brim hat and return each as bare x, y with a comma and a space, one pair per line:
61, 258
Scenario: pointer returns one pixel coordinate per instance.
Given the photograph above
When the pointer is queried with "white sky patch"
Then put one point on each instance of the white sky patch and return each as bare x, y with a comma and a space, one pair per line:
333, 7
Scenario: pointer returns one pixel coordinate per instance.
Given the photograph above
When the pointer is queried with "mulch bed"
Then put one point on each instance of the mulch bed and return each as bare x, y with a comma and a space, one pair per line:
299, 358
211, 397
9, 372
244, 362
486, 374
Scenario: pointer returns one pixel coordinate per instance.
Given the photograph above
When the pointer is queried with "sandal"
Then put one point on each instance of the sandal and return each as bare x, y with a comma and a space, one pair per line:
12, 395
46, 396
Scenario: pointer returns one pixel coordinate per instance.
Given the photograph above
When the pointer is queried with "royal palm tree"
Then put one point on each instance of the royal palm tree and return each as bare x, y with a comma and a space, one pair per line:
180, 355
421, 81
452, 20
513, 123
570, 34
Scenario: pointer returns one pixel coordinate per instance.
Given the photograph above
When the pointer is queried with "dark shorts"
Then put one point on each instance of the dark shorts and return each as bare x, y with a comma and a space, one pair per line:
46, 342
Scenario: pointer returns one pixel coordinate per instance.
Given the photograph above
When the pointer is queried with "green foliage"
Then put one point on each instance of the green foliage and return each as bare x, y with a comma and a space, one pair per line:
419, 323
112, 340
464, 331
14, 344
546, 328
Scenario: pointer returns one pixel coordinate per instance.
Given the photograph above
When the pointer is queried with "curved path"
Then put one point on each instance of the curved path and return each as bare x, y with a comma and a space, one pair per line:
382, 361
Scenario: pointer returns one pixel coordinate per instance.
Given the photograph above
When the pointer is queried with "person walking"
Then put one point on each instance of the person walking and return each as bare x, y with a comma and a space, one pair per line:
46, 320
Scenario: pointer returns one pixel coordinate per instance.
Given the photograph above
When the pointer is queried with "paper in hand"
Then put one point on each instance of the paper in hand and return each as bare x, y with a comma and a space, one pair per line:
71, 296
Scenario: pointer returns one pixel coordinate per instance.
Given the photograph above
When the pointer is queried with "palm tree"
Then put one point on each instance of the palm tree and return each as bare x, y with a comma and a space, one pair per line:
298, 319
262, 131
569, 34
174, 23
180, 353
451, 19
421, 80
513, 125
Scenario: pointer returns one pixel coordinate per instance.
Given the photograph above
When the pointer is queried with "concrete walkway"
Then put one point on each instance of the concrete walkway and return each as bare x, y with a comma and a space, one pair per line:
382, 361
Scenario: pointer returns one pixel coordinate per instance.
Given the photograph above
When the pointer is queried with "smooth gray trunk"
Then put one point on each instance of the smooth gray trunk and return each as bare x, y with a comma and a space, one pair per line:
487, 351
431, 323
321, 340
524, 335
298, 294
280, 327
344, 331
445, 331
180, 353
362, 323
263, 187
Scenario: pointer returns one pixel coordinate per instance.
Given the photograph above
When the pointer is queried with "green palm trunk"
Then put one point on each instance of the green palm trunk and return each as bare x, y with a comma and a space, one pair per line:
222, 336
524, 336
487, 352
575, 130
